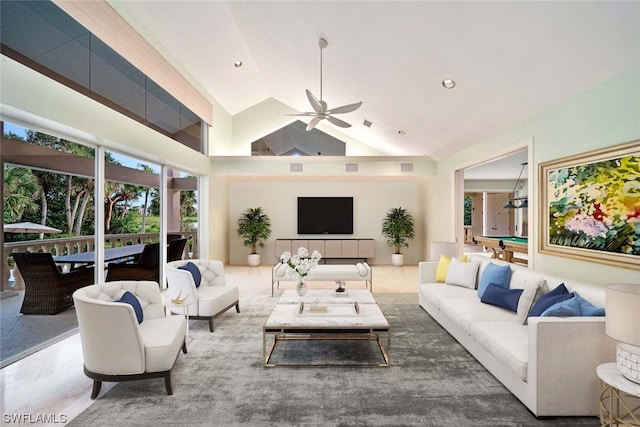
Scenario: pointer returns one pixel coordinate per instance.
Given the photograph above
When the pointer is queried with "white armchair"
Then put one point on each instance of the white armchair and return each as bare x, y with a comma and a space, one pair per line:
206, 302
115, 347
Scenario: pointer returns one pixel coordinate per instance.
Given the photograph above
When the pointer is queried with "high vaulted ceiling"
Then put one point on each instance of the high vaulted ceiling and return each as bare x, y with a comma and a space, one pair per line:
510, 59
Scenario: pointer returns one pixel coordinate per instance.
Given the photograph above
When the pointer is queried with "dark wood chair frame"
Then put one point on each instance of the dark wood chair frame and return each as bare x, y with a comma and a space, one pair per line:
98, 379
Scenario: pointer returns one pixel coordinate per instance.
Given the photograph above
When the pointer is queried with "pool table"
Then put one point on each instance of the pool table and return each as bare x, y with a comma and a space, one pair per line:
506, 244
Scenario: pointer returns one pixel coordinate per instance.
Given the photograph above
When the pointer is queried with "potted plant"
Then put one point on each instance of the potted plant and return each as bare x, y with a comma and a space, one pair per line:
397, 227
255, 227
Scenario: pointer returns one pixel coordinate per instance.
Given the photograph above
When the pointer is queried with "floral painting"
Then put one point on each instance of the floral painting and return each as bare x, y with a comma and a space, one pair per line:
592, 204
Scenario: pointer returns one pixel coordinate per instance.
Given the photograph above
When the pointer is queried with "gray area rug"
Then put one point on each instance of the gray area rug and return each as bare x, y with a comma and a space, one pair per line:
433, 381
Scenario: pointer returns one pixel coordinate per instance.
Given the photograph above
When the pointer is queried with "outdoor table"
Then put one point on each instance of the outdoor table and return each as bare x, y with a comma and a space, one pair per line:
110, 254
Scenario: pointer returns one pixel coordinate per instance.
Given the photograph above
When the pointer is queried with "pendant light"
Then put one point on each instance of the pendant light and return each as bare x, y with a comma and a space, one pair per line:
524, 201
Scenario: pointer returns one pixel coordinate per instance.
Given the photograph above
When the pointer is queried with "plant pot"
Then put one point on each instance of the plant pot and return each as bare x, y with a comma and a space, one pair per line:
253, 260
397, 260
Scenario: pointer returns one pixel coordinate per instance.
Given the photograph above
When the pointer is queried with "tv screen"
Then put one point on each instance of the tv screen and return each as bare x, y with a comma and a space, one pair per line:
325, 215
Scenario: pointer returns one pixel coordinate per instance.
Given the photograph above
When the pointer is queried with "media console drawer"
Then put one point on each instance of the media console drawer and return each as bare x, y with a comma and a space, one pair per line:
329, 248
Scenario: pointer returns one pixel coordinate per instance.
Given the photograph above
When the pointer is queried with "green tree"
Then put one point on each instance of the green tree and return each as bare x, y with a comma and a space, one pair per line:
397, 227
20, 189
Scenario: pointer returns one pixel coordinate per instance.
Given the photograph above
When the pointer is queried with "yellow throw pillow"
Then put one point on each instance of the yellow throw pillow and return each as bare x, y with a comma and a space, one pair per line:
443, 267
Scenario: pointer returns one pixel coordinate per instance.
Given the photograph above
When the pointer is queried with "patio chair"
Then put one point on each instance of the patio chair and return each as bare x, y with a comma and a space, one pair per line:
176, 249
47, 289
145, 267
119, 344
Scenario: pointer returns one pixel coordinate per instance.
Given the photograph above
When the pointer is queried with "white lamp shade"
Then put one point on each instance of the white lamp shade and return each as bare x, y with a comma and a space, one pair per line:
623, 313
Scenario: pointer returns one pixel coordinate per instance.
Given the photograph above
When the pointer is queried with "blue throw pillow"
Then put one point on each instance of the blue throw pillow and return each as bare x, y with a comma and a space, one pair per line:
493, 273
559, 294
506, 298
576, 306
129, 298
195, 272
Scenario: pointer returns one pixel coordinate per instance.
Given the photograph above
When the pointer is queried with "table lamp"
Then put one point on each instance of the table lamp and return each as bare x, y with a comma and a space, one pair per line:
623, 324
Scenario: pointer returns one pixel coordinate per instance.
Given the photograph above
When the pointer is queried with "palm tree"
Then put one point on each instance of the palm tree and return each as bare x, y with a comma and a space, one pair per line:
20, 189
255, 227
397, 227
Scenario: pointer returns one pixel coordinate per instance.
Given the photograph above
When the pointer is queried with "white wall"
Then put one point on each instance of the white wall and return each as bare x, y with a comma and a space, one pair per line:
278, 198
604, 116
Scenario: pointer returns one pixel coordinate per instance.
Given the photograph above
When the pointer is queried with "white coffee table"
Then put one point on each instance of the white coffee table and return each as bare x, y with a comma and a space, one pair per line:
319, 315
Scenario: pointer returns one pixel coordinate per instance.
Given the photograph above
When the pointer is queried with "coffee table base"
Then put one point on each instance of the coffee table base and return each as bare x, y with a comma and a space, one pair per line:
321, 334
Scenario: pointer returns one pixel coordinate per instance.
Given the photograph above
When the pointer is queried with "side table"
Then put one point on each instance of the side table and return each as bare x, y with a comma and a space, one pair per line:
171, 305
619, 398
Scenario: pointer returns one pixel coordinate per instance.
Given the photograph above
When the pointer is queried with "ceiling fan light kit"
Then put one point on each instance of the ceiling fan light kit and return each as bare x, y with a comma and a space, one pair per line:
320, 108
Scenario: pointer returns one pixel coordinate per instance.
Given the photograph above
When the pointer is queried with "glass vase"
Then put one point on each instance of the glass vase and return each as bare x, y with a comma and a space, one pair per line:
301, 287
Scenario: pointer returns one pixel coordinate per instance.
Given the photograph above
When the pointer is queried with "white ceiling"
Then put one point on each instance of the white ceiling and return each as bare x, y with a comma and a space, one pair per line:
511, 59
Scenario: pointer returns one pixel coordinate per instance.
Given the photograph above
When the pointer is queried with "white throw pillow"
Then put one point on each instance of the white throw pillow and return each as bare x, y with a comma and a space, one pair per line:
532, 291
462, 273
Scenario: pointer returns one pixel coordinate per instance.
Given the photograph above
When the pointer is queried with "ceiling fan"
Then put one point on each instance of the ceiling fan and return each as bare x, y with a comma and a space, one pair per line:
320, 109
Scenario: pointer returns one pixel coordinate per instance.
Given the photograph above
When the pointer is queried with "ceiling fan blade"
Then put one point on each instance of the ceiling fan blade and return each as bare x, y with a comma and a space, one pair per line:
338, 122
314, 122
345, 108
317, 106
298, 114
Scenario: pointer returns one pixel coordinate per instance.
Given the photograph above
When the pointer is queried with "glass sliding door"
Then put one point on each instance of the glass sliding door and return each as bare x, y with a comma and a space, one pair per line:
49, 219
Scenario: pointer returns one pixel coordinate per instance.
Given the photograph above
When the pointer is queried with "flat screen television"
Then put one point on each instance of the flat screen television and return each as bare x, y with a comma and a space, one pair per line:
325, 215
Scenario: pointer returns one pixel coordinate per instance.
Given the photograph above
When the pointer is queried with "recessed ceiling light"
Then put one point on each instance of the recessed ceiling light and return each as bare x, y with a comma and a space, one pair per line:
237, 64
448, 84
401, 132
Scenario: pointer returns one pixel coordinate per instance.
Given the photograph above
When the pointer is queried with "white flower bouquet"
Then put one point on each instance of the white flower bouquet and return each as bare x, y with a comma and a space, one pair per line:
300, 264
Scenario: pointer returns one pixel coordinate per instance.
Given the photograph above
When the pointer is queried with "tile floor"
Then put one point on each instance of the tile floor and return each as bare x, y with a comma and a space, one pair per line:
49, 386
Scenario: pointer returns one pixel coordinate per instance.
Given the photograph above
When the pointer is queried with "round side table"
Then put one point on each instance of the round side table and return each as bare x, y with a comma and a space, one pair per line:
619, 398
185, 308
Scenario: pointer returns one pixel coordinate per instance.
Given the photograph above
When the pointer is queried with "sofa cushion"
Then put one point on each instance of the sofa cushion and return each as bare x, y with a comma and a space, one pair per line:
558, 294
129, 298
443, 267
434, 293
462, 273
213, 299
465, 311
505, 298
493, 273
507, 341
532, 291
162, 340
195, 272
576, 306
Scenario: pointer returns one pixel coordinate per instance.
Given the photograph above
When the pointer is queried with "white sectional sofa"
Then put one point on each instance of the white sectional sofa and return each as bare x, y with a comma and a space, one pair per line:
549, 363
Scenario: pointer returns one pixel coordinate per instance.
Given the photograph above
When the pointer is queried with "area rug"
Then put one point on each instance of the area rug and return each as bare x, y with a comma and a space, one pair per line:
433, 381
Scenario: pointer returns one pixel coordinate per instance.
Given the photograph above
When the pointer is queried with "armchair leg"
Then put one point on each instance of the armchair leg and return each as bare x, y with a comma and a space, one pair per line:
184, 346
167, 383
96, 389
211, 324
238, 307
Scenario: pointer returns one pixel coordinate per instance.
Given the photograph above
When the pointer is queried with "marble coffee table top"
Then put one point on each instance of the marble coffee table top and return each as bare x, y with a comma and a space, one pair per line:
327, 296
323, 310
337, 316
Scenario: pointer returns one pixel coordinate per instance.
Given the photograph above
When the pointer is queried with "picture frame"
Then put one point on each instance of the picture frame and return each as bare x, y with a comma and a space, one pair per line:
590, 206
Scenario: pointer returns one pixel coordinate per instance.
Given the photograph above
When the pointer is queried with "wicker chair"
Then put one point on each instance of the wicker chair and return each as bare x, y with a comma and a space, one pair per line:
146, 267
47, 290
176, 249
